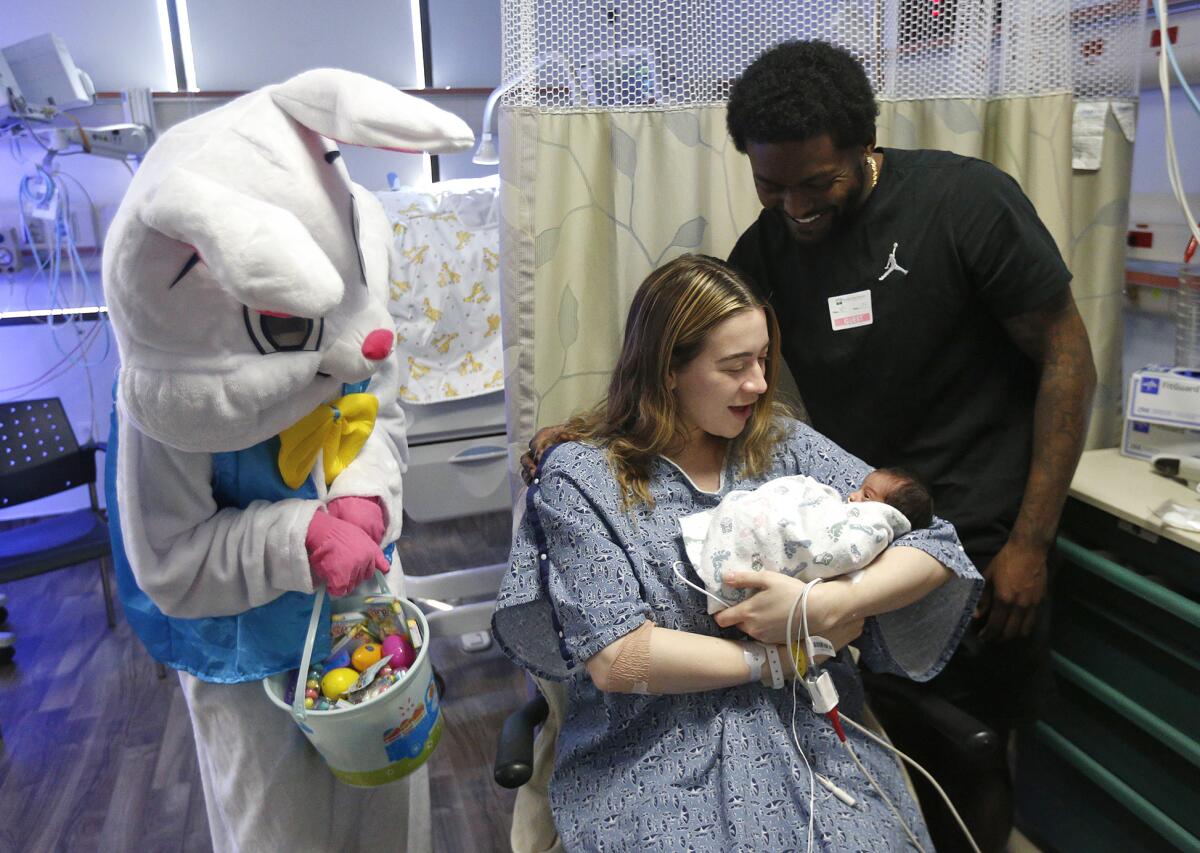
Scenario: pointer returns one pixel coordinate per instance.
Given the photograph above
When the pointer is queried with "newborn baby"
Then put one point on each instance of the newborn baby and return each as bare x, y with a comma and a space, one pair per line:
802, 528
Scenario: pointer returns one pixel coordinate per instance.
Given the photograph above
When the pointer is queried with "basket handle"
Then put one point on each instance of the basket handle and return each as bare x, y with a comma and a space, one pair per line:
299, 712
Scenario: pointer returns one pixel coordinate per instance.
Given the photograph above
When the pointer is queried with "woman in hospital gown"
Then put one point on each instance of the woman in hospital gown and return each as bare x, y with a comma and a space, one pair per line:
715, 769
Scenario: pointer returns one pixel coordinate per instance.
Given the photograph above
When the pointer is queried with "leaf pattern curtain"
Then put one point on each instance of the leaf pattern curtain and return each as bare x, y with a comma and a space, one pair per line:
596, 192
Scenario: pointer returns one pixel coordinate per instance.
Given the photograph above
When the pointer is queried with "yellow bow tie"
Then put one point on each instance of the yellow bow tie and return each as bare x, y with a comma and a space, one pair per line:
339, 429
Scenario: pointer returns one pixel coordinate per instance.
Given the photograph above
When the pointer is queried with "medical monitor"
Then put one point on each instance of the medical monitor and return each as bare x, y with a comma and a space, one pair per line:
46, 76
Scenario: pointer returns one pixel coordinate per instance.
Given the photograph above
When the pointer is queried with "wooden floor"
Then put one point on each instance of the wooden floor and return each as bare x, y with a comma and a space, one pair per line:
97, 752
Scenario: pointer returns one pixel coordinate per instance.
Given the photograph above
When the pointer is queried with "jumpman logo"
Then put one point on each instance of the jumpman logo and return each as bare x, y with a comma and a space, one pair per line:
892, 266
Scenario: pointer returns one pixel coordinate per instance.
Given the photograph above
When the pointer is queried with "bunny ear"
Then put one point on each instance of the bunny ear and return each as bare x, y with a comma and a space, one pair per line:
356, 109
256, 250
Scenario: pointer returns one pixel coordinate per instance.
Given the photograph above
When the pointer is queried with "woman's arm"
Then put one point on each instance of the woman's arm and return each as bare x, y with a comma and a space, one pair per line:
897, 578
674, 662
681, 662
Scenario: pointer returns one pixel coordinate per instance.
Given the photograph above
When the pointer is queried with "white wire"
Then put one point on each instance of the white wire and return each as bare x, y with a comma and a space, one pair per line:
802, 601
1164, 83
1183, 83
802, 633
60, 240
676, 567
812, 785
879, 790
923, 771
679, 574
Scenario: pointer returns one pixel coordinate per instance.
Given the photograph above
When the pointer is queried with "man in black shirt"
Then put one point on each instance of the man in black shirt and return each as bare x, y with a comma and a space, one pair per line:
927, 318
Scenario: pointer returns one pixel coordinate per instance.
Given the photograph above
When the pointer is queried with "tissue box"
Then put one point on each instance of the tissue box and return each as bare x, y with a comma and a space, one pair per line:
1164, 395
1145, 440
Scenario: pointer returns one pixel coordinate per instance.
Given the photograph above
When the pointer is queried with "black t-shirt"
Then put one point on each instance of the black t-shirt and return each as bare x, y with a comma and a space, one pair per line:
933, 383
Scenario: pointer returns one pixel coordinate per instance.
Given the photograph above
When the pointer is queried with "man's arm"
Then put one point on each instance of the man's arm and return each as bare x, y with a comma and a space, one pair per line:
1054, 336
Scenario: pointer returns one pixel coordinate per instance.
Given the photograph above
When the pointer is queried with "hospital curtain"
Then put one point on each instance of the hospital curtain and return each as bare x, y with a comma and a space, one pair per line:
614, 155
631, 190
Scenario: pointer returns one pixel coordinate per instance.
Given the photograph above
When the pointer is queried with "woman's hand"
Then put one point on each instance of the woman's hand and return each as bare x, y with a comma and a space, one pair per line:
764, 615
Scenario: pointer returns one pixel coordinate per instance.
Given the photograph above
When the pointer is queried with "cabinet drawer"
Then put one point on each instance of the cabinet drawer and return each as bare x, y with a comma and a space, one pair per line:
1137, 636
452, 479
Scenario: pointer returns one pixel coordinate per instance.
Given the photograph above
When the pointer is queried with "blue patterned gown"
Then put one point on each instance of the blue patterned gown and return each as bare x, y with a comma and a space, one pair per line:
712, 771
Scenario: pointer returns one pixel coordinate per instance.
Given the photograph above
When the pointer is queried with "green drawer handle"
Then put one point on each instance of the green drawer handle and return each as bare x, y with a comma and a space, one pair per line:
1156, 594
1163, 731
1142, 808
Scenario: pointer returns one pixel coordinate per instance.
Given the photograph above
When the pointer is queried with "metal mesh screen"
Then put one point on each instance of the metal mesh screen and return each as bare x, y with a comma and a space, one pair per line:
575, 55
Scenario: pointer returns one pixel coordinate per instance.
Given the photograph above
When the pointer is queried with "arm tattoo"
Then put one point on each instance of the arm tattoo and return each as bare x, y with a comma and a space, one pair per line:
1053, 336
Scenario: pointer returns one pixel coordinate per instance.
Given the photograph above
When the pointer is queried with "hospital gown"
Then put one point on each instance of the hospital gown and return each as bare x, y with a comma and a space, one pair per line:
715, 770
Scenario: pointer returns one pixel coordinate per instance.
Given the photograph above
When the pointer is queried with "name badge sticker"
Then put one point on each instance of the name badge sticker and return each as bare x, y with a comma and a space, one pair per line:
850, 310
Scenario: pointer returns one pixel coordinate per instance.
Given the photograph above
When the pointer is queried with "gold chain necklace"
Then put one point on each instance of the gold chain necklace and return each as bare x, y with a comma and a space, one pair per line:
874, 171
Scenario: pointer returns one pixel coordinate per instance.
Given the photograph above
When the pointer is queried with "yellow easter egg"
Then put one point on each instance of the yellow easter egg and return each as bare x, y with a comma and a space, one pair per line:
365, 655
338, 681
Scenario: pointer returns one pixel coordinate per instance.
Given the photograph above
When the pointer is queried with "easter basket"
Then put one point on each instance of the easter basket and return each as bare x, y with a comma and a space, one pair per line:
385, 737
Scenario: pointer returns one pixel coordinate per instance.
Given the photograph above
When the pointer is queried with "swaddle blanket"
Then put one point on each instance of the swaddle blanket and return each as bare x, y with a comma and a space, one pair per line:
794, 525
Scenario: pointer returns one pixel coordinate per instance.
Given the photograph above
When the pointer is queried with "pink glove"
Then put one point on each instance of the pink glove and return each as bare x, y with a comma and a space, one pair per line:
340, 554
364, 513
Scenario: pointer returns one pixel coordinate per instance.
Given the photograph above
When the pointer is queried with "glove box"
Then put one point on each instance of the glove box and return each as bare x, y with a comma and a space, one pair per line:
450, 479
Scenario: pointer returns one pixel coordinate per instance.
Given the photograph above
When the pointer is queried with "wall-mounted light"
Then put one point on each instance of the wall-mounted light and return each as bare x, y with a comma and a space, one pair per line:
486, 154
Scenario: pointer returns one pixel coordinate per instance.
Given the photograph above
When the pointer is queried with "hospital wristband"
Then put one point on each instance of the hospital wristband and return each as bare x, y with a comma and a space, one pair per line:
755, 657
777, 681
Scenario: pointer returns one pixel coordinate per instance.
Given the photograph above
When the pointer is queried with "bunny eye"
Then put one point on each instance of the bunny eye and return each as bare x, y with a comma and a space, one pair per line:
280, 333
187, 267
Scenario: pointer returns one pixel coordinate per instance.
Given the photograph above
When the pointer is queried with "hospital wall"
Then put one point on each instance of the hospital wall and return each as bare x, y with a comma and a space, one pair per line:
237, 46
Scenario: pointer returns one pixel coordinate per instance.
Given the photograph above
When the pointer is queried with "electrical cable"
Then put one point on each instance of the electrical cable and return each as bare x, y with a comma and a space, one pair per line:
958, 818
879, 790
1169, 49
824, 697
1173, 174
45, 188
54, 372
835, 718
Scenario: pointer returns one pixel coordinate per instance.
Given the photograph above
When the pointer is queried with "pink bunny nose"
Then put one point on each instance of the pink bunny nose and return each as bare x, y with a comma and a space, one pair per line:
378, 345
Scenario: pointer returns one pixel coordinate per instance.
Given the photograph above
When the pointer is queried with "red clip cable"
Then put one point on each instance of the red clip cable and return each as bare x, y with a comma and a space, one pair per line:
837, 724
1189, 251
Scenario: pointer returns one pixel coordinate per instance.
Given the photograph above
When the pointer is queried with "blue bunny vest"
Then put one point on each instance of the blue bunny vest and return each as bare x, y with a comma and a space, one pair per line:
227, 649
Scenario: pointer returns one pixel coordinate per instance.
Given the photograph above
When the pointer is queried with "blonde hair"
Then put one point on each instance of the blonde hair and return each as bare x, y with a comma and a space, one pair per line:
672, 313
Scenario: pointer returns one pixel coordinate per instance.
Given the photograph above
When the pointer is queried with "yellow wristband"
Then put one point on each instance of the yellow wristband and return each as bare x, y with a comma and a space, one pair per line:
799, 660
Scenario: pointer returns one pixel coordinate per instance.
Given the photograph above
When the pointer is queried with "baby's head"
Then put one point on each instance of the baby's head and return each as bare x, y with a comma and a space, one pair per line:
900, 490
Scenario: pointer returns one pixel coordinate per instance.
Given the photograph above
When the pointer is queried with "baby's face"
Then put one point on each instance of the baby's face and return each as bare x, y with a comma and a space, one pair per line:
875, 487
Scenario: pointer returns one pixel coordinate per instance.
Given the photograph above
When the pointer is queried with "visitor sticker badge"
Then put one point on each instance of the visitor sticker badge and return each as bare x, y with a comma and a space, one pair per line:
850, 310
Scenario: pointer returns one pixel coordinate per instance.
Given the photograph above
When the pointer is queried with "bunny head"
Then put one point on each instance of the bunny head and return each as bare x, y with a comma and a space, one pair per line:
246, 275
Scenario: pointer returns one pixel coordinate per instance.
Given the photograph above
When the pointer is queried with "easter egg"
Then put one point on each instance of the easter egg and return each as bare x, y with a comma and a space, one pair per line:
365, 655
308, 703
338, 681
400, 650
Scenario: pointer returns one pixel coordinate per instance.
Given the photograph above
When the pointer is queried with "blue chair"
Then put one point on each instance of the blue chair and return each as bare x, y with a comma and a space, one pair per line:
39, 456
